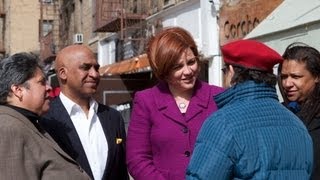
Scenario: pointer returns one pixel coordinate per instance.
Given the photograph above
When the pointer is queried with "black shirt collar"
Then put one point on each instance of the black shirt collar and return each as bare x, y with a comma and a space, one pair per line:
33, 117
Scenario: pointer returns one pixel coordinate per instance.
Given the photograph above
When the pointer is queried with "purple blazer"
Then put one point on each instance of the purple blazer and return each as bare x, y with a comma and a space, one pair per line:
160, 139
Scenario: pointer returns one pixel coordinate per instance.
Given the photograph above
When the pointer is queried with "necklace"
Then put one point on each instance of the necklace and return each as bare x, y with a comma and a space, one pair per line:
182, 105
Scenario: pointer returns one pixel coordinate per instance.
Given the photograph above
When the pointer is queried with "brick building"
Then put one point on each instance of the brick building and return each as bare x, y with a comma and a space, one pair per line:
19, 26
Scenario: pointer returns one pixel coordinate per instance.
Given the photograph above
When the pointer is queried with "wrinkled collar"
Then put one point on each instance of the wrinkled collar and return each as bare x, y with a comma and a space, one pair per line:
70, 105
245, 90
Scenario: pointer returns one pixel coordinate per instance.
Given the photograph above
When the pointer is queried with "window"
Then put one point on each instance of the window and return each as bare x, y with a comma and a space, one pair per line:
168, 3
47, 1
47, 27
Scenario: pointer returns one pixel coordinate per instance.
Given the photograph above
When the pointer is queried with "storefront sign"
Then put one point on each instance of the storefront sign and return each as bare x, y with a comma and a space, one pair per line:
239, 17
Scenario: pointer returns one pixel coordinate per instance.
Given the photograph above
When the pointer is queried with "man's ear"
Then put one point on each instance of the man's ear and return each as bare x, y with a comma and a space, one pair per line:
62, 74
17, 91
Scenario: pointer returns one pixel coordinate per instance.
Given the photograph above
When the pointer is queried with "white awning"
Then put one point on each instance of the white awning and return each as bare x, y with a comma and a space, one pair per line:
289, 14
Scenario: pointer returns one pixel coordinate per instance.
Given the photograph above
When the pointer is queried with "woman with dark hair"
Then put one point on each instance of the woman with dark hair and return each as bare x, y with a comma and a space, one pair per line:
166, 118
299, 85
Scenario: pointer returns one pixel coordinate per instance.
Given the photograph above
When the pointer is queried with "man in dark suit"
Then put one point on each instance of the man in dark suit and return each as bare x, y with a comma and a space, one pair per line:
91, 133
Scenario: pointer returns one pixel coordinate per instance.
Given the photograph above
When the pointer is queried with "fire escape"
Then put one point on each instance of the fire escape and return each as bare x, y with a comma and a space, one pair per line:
49, 36
127, 19
49, 30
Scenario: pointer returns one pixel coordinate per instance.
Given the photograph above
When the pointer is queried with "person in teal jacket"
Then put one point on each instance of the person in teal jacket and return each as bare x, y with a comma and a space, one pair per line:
252, 135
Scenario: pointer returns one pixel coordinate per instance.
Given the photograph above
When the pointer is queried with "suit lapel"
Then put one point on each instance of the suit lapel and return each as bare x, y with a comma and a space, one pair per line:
69, 136
69, 129
199, 101
45, 136
167, 105
109, 132
53, 144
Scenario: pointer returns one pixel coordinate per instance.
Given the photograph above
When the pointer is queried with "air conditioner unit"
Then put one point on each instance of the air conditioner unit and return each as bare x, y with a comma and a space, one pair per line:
78, 38
168, 3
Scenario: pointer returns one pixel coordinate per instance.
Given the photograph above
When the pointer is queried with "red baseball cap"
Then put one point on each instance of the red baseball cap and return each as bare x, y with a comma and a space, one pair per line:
251, 54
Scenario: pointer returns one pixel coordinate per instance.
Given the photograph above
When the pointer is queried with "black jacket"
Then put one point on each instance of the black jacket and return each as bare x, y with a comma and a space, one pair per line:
314, 131
59, 125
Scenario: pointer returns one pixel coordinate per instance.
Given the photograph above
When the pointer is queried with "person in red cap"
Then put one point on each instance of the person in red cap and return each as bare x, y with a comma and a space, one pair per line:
252, 135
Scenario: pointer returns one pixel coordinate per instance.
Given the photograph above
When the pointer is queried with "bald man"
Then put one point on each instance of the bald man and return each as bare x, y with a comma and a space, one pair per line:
91, 133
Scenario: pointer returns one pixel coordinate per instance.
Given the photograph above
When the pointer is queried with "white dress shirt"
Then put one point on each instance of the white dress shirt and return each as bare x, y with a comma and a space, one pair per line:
91, 134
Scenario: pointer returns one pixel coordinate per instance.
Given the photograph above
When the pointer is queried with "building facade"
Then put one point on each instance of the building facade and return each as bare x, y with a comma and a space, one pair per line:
19, 26
117, 32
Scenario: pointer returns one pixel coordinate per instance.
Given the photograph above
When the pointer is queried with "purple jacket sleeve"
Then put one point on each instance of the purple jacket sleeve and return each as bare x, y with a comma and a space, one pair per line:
139, 152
